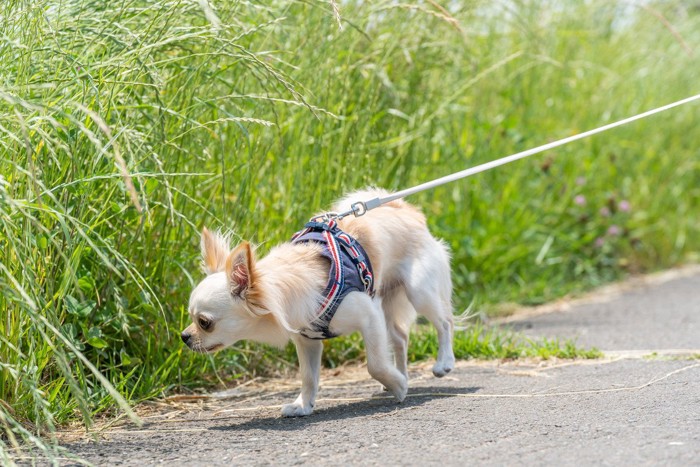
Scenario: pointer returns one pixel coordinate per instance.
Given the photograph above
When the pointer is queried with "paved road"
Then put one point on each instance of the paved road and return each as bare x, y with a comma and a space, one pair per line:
658, 312
615, 411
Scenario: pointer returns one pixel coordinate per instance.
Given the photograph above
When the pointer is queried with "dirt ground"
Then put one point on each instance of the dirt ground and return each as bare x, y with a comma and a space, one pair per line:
639, 405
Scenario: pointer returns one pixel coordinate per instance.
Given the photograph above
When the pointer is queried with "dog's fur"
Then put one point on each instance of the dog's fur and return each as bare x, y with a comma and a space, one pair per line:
270, 299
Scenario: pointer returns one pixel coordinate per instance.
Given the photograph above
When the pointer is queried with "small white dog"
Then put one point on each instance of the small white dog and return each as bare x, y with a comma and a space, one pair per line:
281, 296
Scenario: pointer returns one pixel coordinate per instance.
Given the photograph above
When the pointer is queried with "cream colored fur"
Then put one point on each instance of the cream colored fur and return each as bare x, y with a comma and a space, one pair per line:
270, 299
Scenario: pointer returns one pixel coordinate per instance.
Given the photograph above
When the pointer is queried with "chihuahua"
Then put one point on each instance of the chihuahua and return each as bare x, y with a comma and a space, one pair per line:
275, 298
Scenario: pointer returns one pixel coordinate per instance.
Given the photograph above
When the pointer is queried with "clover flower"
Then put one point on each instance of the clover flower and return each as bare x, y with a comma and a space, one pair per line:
614, 230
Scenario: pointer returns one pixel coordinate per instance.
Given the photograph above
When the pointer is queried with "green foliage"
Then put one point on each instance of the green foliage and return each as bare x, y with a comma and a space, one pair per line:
125, 126
478, 342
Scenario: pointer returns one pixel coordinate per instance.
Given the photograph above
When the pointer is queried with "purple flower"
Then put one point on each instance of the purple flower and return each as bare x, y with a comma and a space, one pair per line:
624, 205
580, 200
604, 211
581, 181
614, 230
599, 242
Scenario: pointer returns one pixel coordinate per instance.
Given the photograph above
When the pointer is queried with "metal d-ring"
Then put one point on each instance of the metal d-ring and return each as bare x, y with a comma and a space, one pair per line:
326, 216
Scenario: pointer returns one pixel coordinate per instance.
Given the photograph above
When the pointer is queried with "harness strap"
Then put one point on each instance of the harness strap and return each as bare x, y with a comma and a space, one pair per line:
338, 244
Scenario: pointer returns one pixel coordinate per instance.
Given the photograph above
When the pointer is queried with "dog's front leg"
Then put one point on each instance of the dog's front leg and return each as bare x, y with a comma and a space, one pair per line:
309, 354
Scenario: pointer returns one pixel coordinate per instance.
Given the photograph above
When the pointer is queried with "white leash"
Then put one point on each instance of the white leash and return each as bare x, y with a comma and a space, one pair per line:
359, 208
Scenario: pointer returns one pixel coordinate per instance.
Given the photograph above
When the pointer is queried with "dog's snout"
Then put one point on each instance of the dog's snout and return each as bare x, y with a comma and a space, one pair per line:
185, 336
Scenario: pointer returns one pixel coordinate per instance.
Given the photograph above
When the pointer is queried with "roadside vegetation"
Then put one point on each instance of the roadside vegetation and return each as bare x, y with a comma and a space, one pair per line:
127, 125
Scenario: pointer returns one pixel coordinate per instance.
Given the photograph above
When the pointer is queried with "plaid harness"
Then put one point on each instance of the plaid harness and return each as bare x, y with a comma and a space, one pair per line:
350, 270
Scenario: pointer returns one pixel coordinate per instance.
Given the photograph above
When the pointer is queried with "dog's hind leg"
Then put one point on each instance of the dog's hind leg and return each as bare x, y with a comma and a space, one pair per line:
441, 316
309, 353
399, 314
429, 289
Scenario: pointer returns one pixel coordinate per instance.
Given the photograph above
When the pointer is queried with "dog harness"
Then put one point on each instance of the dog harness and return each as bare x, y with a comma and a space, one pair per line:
350, 270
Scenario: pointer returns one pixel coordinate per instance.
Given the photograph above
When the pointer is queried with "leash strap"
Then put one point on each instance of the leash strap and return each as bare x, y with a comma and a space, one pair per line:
359, 208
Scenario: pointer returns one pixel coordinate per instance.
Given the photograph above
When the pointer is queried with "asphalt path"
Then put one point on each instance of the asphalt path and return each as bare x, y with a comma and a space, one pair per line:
638, 406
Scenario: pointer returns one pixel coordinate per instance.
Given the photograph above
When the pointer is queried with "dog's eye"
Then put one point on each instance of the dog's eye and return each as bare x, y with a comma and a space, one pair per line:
204, 323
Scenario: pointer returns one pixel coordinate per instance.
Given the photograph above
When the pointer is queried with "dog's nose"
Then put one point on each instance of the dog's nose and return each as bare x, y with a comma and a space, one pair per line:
185, 337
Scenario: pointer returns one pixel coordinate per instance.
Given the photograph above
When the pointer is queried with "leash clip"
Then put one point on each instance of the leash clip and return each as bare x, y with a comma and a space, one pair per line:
358, 208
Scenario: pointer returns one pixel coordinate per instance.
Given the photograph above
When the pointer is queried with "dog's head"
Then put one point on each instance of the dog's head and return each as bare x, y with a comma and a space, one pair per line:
227, 303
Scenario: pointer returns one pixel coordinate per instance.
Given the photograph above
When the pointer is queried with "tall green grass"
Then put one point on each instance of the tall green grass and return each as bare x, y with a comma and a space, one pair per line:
127, 125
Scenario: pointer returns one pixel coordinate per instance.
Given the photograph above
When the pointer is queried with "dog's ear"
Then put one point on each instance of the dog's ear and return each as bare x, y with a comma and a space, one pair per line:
240, 270
214, 251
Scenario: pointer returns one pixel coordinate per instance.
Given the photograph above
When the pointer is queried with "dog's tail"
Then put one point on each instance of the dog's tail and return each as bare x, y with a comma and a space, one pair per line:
467, 317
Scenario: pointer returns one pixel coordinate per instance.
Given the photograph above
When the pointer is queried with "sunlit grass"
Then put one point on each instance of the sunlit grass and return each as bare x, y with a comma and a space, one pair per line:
126, 126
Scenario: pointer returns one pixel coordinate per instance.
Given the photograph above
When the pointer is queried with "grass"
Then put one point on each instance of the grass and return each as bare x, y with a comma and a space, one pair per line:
475, 341
126, 126
479, 342
656, 356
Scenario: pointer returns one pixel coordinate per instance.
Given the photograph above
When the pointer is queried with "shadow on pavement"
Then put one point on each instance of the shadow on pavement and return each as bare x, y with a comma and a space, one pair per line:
363, 408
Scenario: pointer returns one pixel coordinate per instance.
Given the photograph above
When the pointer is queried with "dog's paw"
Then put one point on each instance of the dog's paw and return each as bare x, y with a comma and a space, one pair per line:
401, 390
440, 369
296, 410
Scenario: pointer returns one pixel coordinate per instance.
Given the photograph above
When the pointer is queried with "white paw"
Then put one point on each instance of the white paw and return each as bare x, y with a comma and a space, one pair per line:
440, 369
400, 392
296, 410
